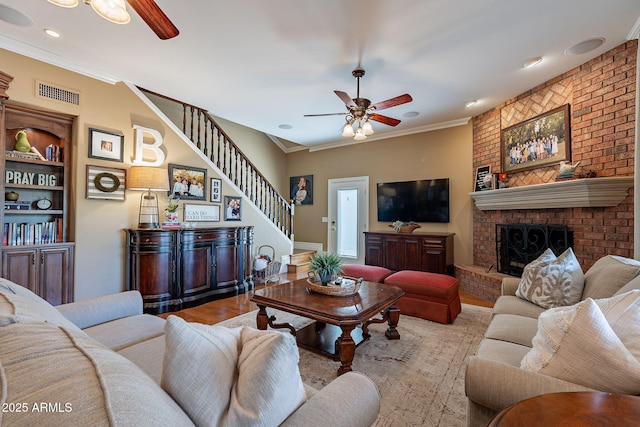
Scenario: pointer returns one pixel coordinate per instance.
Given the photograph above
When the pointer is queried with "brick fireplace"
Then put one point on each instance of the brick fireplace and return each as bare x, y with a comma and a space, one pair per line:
601, 94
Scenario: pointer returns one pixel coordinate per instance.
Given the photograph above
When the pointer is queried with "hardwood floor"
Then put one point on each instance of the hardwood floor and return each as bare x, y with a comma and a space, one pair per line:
223, 309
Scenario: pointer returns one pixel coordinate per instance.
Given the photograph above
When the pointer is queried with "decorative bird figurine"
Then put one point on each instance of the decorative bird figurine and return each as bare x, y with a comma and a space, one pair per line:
568, 169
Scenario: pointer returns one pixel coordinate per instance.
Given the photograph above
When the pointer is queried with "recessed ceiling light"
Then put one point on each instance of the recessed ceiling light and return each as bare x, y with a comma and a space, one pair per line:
585, 46
471, 103
14, 17
52, 33
410, 114
285, 126
532, 61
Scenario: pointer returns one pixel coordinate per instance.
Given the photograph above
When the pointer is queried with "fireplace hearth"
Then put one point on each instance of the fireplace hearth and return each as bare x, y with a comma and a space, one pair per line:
519, 244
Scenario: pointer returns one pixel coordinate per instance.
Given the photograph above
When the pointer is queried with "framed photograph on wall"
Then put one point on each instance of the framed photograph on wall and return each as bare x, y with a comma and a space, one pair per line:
301, 189
106, 145
187, 182
233, 208
216, 190
541, 141
206, 213
105, 183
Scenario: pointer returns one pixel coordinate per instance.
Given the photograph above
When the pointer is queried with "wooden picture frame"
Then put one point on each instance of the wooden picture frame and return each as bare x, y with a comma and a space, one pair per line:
106, 145
201, 213
232, 208
541, 141
187, 183
106, 183
216, 190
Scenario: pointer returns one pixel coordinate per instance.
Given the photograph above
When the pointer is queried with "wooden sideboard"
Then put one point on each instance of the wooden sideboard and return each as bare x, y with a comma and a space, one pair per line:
174, 269
432, 252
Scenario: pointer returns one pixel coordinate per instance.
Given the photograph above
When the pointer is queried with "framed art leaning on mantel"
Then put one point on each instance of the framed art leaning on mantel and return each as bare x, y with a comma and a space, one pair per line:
543, 140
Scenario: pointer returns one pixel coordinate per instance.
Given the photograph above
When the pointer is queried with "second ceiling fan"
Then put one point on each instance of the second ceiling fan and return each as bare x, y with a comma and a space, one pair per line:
361, 110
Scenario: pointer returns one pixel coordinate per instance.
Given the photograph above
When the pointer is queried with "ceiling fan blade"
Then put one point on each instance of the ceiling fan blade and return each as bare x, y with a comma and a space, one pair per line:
344, 96
155, 18
398, 100
384, 119
325, 114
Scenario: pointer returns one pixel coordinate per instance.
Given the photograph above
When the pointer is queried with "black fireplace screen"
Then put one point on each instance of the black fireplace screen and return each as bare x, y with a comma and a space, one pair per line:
519, 244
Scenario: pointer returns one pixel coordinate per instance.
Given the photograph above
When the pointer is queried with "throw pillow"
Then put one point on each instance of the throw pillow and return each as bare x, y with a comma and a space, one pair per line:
577, 344
607, 275
269, 387
199, 368
552, 282
239, 376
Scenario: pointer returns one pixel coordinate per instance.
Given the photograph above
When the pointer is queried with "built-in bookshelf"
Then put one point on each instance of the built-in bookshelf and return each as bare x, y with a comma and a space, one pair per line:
37, 244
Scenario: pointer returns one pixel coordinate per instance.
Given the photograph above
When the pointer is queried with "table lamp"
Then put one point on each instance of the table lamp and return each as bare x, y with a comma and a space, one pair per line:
148, 179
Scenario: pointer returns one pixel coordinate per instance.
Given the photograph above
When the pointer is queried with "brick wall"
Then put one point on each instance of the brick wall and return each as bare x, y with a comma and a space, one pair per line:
601, 94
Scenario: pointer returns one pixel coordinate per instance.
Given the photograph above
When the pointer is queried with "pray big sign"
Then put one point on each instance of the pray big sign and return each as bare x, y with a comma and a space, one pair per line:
30, 178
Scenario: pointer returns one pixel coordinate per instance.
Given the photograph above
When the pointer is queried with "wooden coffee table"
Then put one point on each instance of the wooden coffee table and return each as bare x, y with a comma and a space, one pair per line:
341, 323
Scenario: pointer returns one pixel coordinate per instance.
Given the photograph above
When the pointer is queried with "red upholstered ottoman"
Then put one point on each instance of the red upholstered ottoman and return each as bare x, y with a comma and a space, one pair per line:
429, 296
370, 273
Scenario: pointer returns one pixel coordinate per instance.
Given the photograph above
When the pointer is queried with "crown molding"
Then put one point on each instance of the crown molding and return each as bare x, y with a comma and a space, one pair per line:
635, 30
44, 56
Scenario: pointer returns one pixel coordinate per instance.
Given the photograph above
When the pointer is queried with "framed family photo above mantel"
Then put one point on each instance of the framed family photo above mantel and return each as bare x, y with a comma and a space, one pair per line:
543, 140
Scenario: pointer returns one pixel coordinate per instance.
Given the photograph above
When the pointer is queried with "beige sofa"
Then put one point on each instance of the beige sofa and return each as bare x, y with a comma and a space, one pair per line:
494, 379
99, 362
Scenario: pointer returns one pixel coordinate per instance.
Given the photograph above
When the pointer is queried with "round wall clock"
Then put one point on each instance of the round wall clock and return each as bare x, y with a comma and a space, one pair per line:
43, 204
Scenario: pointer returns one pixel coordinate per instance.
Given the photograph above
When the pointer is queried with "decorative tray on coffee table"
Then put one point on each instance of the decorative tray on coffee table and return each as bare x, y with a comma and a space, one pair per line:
343, 286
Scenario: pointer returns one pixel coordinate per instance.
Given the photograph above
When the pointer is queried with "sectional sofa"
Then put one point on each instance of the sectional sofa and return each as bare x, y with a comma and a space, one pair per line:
102, 362
573, 352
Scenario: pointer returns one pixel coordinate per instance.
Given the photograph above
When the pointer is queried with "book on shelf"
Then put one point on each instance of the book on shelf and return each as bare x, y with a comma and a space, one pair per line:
53, 153
16, 234
21, 155
172, 225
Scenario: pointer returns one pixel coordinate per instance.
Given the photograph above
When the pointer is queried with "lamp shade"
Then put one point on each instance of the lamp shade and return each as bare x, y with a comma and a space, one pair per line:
148, 178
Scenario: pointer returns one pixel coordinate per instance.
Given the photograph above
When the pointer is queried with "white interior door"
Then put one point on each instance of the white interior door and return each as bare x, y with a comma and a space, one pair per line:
348, 217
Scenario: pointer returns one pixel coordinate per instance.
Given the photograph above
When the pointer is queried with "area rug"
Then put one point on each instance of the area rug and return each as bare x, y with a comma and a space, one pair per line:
420, 376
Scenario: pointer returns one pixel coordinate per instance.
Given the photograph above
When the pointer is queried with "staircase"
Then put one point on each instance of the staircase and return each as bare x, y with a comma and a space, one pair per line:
299, 261
205, 135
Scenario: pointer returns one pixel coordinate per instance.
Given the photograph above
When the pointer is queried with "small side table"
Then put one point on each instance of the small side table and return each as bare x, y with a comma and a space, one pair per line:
574, 409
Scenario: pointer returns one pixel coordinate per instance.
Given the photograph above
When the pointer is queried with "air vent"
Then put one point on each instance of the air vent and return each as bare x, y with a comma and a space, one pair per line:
57, 93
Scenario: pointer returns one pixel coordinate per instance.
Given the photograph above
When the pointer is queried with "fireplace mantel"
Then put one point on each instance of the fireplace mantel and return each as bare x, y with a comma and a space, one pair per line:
575, 193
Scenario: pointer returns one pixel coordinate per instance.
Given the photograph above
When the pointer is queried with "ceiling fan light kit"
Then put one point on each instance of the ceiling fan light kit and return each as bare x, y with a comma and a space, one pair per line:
112, 10
116, 11
360, 111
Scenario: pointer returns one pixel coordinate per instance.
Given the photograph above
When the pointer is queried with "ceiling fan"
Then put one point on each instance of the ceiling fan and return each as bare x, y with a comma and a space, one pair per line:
360, 110
116, 11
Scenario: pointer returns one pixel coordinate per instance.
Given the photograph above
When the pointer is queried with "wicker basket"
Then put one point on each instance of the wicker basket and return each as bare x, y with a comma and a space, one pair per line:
271, 272
336, 290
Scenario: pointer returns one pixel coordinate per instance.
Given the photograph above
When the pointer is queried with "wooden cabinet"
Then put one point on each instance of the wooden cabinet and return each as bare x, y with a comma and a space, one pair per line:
46, 271
37, 250
431, 252
174, 269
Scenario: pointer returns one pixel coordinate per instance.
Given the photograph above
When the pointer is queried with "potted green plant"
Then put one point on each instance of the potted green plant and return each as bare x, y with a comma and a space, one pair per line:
325, 265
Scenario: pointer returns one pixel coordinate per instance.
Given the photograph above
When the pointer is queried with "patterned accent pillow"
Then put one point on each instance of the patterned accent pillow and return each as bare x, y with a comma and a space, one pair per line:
552, 282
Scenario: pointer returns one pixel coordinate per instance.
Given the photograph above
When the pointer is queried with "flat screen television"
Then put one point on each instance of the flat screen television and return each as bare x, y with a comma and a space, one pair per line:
420, 201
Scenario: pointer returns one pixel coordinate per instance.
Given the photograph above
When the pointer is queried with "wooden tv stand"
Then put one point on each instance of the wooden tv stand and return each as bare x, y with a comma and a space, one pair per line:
432, 252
